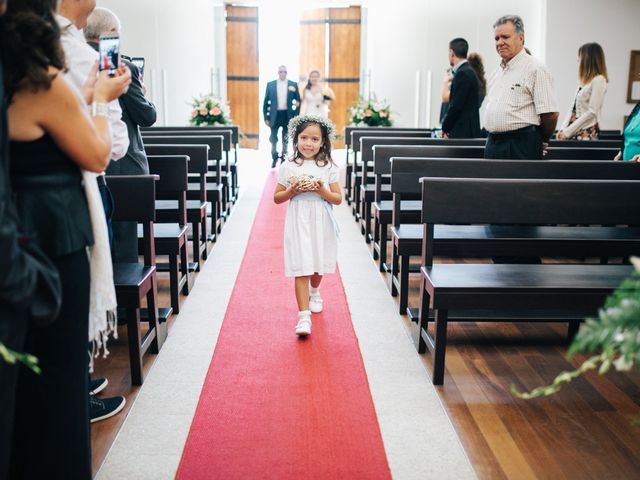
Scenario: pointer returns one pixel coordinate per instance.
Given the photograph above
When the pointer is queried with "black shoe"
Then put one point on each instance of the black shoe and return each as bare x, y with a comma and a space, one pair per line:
103, 408
97, 385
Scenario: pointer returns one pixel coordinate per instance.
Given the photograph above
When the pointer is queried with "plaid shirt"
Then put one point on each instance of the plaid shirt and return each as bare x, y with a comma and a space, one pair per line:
519, 92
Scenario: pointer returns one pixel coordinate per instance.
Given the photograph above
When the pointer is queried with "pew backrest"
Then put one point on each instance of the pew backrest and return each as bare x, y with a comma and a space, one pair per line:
349, 130
235, 130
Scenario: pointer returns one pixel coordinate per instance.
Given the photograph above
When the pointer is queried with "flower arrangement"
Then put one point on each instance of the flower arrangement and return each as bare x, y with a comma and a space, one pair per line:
210, 110
614, 335
371, 112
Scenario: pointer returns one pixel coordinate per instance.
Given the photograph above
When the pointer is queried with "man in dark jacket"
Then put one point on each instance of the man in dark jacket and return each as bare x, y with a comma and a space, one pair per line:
463, 118
281, 104
136, 111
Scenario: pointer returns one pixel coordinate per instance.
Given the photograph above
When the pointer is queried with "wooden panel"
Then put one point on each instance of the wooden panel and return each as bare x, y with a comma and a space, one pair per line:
243, 71
243, 97
312, 43
344, 62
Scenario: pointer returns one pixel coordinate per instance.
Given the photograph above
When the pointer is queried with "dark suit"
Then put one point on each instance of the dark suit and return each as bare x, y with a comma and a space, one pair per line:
136, 111
463, 118
280, 118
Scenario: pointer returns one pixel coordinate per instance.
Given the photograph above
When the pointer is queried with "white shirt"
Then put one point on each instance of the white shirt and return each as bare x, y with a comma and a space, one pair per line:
80, 57
518, 93
588, 101
282, 94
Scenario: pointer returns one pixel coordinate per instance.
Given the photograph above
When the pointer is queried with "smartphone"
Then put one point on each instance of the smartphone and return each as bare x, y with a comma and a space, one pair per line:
139, 62
109, 50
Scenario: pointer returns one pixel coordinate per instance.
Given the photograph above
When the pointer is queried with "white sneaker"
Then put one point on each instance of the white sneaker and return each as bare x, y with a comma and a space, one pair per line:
315, 303
303, 328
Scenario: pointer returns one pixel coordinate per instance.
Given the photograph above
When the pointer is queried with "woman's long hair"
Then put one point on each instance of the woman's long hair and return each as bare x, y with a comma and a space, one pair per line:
475, 61
308, 85
324, 155
30, 45
592, 62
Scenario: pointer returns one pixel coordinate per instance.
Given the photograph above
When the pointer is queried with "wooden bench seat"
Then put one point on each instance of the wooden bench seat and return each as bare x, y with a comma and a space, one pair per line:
531, 202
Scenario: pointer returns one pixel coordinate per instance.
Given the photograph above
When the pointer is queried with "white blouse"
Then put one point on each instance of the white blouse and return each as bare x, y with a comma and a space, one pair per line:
589, 100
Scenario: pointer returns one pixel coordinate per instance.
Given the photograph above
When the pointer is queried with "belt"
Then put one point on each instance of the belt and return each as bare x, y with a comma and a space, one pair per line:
49, 180
514, 133
314, 197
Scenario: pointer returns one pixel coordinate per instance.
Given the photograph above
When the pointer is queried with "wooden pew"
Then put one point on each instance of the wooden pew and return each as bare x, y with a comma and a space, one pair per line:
470, 241
196, 209
372, 132
381, 207
571, 291
134, 198
229, 166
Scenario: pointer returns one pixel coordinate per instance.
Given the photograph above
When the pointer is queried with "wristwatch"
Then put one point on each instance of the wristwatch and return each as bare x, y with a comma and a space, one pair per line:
99, 109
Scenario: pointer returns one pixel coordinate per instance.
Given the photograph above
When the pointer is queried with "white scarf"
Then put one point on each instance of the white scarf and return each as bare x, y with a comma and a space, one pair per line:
103, 305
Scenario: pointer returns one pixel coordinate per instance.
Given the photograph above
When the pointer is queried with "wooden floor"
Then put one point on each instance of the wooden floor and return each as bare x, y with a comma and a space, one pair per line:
583, 432
116, 369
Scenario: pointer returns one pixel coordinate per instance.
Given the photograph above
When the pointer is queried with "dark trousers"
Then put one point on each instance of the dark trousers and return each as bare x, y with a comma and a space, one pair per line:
51, 430
282, 120
13, 329
522, 144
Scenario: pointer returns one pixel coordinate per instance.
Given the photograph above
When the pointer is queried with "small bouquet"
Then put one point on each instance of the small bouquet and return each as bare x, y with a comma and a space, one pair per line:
328, 95
305, 183
371, 113
210, 110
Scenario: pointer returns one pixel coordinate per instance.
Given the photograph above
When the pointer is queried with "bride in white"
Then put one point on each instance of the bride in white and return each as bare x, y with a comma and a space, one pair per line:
315, 97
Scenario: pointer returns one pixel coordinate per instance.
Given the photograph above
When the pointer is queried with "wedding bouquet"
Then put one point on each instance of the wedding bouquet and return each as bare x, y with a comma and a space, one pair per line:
210, 110
327, 94
371, 112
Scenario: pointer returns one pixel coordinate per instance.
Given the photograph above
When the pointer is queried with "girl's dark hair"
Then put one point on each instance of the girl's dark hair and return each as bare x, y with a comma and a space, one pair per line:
30, 45
475, 61
308, 85
324, 155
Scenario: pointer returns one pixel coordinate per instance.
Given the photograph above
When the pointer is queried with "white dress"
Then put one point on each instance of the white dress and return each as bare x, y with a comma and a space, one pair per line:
310, 231
314, 104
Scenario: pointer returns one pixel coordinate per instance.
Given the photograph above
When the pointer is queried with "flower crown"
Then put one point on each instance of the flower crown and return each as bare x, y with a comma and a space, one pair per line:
295, 122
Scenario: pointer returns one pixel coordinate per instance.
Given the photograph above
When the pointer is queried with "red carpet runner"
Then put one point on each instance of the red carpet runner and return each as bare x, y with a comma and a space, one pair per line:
275, 406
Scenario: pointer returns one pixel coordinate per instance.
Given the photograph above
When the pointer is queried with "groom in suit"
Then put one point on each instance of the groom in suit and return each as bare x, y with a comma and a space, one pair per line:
463, 118
281, 104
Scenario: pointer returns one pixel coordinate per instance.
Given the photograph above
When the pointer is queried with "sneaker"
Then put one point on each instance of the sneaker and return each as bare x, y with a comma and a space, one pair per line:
97, 385
315, 303
103, 408
303, 328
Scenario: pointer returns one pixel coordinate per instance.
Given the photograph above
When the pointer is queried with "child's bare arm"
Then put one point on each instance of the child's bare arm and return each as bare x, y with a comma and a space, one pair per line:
282, 193
333, 196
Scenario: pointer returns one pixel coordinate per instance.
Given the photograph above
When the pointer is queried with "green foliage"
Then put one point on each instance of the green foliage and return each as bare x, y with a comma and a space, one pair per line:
371, 113
12, 357
614, 335
210, 110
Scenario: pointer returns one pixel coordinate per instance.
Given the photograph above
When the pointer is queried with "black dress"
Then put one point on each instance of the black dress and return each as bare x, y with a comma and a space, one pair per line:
51, 438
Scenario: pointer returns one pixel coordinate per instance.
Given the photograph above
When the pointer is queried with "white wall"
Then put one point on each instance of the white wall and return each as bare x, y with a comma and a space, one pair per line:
413, 36
614, 25
178, 45
403, 37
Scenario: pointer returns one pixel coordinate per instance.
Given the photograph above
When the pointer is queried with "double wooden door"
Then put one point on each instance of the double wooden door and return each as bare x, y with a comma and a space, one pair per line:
329, 43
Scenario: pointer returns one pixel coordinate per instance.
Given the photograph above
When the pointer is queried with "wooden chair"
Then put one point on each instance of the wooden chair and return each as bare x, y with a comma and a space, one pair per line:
134, 198
171, 238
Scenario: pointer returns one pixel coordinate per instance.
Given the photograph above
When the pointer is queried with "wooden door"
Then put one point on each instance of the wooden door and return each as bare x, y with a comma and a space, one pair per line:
330, 43
243, 71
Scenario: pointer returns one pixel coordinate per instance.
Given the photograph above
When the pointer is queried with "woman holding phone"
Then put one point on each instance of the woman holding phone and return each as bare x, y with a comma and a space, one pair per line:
53, 136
